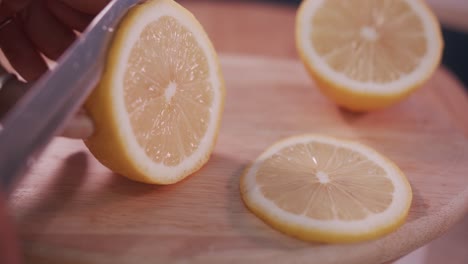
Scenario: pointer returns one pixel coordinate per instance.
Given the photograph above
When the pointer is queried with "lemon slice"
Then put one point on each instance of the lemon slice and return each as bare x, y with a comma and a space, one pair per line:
323, 189
158, 107
368, 54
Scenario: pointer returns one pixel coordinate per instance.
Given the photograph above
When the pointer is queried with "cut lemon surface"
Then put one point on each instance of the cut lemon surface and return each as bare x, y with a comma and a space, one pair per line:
158, 107
324, 189
368, 54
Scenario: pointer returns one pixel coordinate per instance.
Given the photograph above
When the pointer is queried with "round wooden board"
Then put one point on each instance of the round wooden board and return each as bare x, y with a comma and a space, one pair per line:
71, 209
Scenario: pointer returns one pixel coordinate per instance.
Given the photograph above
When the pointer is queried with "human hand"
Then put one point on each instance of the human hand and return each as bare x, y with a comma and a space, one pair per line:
34, 27
31, 29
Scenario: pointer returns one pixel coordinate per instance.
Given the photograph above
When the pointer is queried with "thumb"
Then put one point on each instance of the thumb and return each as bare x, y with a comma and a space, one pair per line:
79, 127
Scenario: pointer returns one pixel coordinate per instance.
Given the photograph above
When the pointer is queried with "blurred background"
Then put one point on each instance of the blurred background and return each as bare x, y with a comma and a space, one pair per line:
453, 15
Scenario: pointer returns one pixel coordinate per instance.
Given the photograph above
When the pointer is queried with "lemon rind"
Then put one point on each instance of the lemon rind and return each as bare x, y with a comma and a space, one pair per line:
324, 230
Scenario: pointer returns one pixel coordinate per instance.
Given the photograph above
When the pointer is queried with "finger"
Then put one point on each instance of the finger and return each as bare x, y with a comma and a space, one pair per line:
80, 127
91, 7
10, 7
20, 52
50, 36
11, 91
70, 17
15, 5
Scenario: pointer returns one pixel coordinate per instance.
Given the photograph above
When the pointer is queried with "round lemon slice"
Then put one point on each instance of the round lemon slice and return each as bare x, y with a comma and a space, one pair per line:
158, 107
368, 54
324, 189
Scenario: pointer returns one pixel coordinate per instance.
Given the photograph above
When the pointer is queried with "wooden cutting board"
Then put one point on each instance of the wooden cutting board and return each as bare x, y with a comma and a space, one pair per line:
71, 209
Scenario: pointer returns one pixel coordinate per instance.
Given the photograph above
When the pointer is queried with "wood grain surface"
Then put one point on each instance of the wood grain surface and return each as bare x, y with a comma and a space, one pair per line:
70, 209
247, 27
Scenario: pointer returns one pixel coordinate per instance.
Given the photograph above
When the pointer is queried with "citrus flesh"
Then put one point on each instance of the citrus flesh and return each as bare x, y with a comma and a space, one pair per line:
323, 189
158, 106
368, 54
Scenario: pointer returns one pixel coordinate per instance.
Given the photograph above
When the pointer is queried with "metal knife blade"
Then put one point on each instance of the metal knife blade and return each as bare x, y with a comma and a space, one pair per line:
43, 111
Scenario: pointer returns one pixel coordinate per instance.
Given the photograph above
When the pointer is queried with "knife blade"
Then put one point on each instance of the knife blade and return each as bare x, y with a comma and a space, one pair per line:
43, 111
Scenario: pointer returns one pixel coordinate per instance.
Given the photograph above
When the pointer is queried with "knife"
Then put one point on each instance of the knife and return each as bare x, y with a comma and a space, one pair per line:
48, 105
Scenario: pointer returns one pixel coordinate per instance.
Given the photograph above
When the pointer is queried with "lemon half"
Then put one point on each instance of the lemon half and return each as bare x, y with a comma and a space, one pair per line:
368, 54
158, 107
